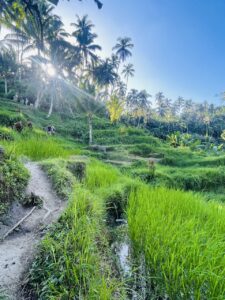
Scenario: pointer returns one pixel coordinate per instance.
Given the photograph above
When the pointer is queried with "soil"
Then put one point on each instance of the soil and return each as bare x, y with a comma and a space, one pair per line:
18, 249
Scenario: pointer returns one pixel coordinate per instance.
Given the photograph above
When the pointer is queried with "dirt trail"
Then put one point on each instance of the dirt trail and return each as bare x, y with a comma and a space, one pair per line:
18, 249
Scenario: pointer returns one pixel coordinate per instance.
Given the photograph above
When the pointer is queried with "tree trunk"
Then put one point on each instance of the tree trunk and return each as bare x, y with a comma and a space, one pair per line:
6, 86
139, 119
38, 99
51, 106
126, 86
90, 129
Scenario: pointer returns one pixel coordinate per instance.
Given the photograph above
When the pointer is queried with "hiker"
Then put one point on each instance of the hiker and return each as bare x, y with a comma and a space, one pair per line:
50, 129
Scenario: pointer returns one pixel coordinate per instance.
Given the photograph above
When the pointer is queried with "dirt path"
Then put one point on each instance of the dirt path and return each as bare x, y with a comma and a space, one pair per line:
18, 249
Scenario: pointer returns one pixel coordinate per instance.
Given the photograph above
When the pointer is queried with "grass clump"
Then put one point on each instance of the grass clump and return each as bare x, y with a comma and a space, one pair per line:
62, 179
6, 133
182, 239
13, 181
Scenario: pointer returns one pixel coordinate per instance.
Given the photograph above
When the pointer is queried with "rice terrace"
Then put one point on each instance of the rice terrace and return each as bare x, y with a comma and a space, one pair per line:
112, 150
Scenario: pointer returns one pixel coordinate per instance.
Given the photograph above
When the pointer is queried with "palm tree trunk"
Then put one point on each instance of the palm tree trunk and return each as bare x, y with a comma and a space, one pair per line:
52, 100
6, 86
38, 99
126, 85
139, 119
90, 128
51, 106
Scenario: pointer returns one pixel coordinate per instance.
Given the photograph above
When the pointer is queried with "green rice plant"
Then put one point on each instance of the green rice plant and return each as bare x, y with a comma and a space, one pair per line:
38, 148
100, 175
62, 179
71, 263
182, 239
194, 178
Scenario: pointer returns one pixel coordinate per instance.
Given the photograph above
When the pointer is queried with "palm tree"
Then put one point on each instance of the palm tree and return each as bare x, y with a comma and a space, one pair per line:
85, 39
161, 105
115, 61
143, 104
178, 106
8, 65
104, 74
35, 28
132, 100
123, 47
128, 71
121, 89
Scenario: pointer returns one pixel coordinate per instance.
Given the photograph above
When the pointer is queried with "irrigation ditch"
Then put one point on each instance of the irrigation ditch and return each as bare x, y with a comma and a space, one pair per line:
130, 264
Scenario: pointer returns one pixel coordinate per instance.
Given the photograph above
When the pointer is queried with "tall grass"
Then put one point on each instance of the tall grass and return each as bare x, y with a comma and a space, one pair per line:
182, 239
69, 262
100, 175
37, 146
74, 261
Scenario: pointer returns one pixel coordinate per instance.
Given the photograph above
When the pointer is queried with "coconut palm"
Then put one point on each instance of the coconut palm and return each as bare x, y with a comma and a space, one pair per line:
123, 47
161, 104
178, 106
104, 74
85, 39
128, 71
115, 61
8, 65
30, 30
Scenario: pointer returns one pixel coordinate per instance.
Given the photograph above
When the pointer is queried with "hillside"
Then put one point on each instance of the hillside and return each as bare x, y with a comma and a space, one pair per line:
133, 204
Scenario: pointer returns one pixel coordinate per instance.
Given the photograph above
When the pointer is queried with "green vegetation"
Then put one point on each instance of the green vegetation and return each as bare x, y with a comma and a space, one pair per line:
182, 238
74, 258
62, 179
161, 151
13, 180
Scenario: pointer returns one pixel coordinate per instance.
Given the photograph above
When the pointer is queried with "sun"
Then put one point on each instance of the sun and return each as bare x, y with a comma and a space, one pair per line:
50, 70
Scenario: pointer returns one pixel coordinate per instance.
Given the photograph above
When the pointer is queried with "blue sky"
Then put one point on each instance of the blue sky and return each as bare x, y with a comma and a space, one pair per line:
179, 44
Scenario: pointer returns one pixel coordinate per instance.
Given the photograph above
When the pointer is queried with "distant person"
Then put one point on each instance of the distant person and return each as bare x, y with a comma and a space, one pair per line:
50, 129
